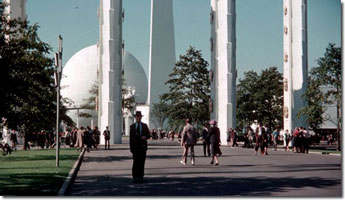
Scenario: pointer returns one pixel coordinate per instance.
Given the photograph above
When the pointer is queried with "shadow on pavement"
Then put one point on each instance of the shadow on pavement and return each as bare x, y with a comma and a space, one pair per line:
200, 186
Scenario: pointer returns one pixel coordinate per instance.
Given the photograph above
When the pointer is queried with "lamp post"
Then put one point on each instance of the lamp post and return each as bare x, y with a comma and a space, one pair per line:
58, 73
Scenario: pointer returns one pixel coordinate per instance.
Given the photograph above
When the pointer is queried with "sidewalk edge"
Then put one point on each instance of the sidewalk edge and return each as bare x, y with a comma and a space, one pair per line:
72, 174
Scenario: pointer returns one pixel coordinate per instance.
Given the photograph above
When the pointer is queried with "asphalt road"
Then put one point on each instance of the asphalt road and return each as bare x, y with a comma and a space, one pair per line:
241, 173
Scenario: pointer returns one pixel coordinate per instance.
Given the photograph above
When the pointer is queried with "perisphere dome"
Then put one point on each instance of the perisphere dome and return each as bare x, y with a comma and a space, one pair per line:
79, 75
135, 77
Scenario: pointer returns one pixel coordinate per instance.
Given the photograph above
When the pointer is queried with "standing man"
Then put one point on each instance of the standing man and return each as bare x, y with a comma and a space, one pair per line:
106, 134
206, 140
189, 139
139, 133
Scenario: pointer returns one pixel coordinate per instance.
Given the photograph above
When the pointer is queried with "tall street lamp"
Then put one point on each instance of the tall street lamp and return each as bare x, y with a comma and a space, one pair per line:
58, 74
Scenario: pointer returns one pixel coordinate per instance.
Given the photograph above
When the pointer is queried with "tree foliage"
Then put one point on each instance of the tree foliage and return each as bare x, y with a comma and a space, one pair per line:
324, 88
189, 90
159, 113
260, 98
28, 95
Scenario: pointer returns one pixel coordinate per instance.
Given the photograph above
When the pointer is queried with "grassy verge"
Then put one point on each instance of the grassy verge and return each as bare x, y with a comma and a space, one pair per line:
34, 172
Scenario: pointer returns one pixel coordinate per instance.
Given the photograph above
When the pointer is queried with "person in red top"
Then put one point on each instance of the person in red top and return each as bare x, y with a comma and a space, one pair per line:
294, 140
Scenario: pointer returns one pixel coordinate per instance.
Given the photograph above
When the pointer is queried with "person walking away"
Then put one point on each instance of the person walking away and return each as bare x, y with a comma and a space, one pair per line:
306, 140
14, 140
80, 142
286, 137
88, 138
106, 134
206, 140
258, 137
294, 140
96, 134
74, 136
275, 139
234, 138
214, 135
188, 140
139, 134
228, 136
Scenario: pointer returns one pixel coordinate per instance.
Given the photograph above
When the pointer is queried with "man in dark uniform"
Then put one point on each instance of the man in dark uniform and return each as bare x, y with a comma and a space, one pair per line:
139, 133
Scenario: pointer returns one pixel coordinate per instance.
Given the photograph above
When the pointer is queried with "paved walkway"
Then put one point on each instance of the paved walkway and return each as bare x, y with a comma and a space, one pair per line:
241, 173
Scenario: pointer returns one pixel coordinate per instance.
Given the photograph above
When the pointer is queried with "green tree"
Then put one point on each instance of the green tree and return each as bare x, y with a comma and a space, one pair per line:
327, 75
159, 113
260, 98
315, 109
28, 94
246, 102
189, 90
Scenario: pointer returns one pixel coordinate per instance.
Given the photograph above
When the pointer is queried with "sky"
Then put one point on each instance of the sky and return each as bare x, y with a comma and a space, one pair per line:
259, 28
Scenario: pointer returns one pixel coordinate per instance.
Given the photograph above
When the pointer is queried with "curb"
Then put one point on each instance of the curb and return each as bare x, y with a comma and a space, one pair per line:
71, 176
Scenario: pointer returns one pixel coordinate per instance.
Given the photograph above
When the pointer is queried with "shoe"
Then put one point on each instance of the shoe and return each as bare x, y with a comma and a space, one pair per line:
211, 162
193, 163
216, 164
183, 163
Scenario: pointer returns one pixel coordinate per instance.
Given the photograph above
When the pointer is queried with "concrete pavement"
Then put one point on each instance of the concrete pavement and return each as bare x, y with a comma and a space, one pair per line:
241, 173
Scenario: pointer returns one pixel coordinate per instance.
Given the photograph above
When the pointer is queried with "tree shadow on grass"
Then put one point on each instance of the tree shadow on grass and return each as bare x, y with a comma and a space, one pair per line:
38, 184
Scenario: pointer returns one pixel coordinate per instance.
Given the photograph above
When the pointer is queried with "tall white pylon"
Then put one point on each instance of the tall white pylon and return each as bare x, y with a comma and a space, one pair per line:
223, 72
110, 69
162, 56
295, 60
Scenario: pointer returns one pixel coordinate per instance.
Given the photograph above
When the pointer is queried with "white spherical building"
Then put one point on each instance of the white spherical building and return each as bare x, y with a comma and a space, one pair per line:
135, 77
80, 74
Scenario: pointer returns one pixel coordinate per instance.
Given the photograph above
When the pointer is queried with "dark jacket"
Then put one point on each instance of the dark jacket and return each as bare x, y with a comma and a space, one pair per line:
205, 135
214, 135
136, 143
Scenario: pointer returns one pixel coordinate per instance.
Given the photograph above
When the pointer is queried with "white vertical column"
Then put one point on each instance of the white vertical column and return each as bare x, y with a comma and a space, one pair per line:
162, 56
295, 61
16, 9
223, 64
110, 55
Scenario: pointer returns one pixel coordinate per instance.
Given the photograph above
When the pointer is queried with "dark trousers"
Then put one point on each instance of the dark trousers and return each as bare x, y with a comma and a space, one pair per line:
138, 165
206, 147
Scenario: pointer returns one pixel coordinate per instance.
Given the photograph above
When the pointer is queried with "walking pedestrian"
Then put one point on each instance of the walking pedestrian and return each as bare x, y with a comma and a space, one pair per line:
188, 140
228, 136
286, 137
106, 134
139, 134
96, 134
214, 135
80, 141
14, 140
258, 138
234, 138
206, 140
275, 139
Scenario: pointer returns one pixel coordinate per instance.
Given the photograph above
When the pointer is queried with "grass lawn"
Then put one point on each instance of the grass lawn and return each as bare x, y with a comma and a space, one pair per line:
34, 172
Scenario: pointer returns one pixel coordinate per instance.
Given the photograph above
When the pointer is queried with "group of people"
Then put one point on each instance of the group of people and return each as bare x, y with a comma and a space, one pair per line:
211, 142
299, 140
140, 133
87, 138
